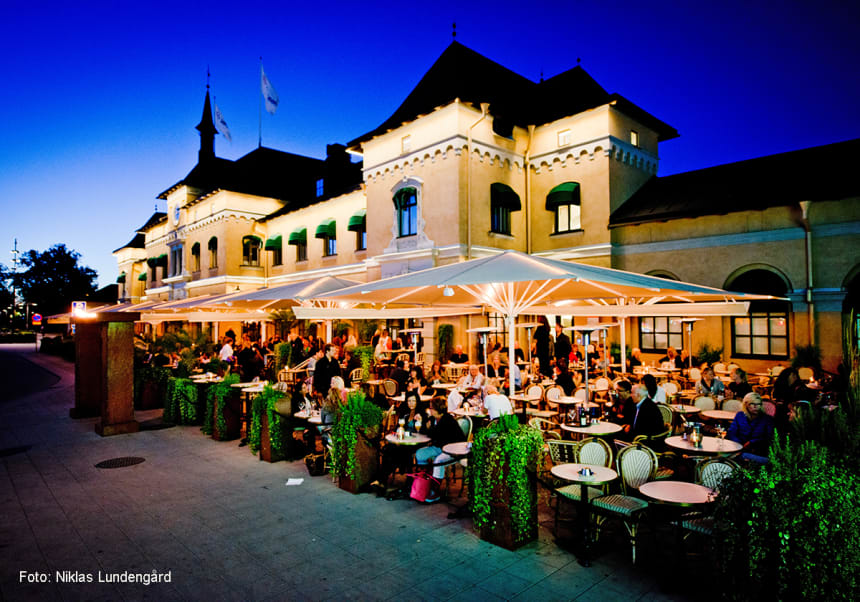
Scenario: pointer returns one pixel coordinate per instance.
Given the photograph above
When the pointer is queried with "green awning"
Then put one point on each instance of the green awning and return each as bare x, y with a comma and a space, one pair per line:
273, 243
213, 243
162, 260
195, 249
121, 278
251, 238
142, 276
563, 194
299, 236
327, 228
502, 195
152, 262
358, 221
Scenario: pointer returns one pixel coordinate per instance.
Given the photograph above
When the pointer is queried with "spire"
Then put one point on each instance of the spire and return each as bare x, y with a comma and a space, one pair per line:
206, 127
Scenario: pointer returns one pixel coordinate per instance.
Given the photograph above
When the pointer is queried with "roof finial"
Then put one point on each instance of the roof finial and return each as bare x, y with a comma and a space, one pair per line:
207, 77
454, 31
541, 74
578, 60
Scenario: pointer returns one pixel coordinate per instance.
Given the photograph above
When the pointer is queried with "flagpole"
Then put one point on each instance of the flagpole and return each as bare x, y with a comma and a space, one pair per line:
260, 111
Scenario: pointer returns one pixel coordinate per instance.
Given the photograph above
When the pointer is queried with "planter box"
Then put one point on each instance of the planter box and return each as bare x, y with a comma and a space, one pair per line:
498, 530
232, 408
366, 460
348, 484
151, 396
267, 454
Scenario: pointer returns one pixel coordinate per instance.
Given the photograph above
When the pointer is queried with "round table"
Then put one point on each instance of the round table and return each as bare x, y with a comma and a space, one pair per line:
408, 439
710, 445
678, 493
314, 418
471, 413
596, 430
719, 414
402, 397
684, 409
460, 449
600, 475
444, 386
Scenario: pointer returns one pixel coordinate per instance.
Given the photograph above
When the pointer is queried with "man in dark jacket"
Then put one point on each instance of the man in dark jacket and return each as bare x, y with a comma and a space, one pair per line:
327, 366
562, 344
647, 420
400, 376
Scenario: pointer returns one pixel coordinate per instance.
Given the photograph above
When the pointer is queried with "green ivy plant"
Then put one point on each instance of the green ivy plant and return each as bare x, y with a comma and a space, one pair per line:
357, 414
147, 373
218, 391
708, 354
180, 405
283, 351
265, 402
365, 355
444, 341
503, 454
790, 530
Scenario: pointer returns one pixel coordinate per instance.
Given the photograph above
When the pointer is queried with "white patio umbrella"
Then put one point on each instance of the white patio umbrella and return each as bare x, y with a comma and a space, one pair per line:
513, 283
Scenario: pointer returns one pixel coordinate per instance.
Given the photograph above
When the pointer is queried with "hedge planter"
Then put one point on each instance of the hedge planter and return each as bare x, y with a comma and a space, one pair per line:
226, 410
181, 404
268, 452
355, 442
269, 432
504, 503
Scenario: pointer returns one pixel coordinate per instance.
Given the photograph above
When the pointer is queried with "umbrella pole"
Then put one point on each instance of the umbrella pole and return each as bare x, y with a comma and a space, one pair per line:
605, 354
585, 339
623, 334
483, 337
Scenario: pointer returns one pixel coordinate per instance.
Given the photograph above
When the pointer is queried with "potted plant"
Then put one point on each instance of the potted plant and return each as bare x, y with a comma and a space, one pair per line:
354, 436
709, 355
267, 433
444, 341
150, 386
365, 355
180, 403
505, 456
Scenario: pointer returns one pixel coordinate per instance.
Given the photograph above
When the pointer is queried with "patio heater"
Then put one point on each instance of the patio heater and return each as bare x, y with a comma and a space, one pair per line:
688, 324
482, 334
528, 326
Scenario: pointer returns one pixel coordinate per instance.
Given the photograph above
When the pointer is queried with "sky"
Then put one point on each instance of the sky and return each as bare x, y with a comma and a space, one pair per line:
98, 100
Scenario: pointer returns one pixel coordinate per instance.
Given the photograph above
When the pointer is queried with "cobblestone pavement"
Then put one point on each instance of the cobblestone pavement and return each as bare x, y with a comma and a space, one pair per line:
221, 525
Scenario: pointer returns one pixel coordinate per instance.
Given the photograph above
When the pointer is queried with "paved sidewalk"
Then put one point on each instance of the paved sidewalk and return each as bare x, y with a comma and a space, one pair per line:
225, 526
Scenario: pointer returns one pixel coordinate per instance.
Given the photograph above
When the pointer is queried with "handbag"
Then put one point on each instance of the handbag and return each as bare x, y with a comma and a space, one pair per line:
423, 487
315, 464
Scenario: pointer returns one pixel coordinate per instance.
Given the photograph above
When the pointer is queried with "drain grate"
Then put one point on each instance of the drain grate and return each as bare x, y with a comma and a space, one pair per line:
120, 462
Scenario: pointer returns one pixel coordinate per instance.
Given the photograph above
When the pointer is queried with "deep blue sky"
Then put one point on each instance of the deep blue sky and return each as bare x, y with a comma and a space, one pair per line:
98, 99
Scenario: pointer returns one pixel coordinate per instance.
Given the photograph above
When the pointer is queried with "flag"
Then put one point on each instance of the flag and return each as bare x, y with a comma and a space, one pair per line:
268, 93
221, 124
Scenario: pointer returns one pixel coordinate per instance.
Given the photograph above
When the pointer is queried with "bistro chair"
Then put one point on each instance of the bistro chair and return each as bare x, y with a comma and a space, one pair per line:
705, 403
732, 366
546, 427
598, 450
390, 387
536, 394
670, 387
733, 405
593, 450
695, 375
581, 394
719, 367
551, 395
356, 376
774, 372
636, 465
466, 426
712, 471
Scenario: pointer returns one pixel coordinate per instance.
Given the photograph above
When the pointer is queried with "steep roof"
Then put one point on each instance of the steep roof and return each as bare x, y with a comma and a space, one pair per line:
155, 218
262, 172
462, 73
138, 242
817, 173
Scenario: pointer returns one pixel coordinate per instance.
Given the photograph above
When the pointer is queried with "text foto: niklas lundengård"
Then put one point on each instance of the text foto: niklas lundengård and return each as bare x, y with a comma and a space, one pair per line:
98, 577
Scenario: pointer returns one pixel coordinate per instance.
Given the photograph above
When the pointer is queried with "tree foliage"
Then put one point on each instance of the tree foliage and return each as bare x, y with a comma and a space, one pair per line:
53, 279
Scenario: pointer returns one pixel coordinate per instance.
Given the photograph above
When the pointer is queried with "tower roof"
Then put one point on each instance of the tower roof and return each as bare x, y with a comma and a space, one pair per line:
207, 124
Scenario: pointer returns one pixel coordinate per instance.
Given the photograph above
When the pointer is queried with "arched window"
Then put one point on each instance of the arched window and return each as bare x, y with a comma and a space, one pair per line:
213, 252
503, 200
275, 245
358, 224
406, 208
299, 238
195, 257
763, 333
564, 202
251, 250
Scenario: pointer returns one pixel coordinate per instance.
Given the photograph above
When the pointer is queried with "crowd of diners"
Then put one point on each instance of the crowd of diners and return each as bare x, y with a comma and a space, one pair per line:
632, 398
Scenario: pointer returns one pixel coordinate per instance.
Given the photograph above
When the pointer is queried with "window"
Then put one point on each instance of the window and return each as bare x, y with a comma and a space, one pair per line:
274, 244
320, 187
327, 231
764, 332
564, 138
251, 251
657, 334
564, 201
406, 207
195, 257
634, 138
213, 252
176, 261
299, 238
406, 144
358, 224
503, 200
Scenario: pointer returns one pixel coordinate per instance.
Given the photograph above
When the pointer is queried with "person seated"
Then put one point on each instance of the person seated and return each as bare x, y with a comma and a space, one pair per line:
473, 380
739, 387
400, 376
575, 353
437, 375
413, 412
519, 355
443, 430
458, 357
333, 401
455, 400
496, 369
752, 428
417, 381
788, 388
684, 359
655, 391
671, 357
709, 385
563, 377
635, 358
496, 404
647, 419
623, 408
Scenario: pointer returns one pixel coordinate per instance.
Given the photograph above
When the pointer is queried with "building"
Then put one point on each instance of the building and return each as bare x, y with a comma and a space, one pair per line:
477, 159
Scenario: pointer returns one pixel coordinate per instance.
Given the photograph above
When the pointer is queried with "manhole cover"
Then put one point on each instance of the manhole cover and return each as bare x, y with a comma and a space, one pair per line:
119, 462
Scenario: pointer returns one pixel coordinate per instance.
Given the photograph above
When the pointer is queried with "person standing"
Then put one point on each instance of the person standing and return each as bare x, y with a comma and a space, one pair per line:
327, 367
541, 346
562, 344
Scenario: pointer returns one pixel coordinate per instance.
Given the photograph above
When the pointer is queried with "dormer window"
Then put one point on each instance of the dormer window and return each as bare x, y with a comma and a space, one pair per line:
320, 187
406, 144
564, 138
634, 138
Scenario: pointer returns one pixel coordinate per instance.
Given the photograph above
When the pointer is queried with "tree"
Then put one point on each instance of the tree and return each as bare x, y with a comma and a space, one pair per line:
53, 279
7, 298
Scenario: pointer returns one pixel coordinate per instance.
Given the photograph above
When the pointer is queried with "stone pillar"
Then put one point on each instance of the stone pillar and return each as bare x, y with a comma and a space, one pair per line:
104, 371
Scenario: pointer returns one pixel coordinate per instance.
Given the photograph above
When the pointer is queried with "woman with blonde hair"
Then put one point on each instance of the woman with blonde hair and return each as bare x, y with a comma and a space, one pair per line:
752, 428
336, 397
